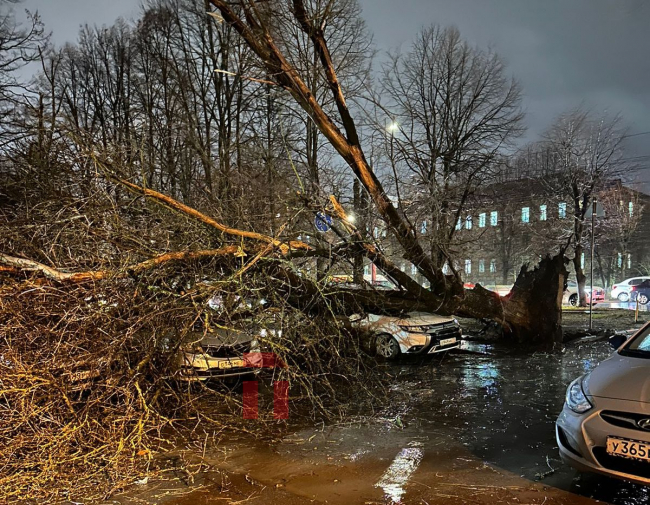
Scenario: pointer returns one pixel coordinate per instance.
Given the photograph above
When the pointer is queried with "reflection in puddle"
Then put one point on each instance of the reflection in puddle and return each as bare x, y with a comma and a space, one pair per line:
399, 472
484, 376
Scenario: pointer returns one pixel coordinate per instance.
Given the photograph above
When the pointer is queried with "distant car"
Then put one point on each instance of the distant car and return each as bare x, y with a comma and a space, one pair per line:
641, 292
594, 295
621, 290
414, 333
604, 426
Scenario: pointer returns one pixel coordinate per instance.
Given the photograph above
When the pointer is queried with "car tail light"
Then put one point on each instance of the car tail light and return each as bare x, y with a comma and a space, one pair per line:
633, 288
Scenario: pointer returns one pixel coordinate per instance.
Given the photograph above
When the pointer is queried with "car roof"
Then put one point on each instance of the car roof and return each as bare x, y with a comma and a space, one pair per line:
635, 277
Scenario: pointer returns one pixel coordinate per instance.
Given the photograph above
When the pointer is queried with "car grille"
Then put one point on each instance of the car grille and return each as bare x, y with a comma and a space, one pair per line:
620, 464
445, 331
624, 419
227, 351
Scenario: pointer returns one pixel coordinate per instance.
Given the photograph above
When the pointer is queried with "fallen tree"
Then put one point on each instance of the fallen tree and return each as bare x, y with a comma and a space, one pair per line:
540, 287
528, 313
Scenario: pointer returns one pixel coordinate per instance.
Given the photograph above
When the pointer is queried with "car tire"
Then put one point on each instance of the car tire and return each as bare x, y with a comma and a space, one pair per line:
573, 300
623, 297
643, 299
387, 347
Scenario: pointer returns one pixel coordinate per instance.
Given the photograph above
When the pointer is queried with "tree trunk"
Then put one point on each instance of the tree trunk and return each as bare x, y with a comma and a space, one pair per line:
580, 275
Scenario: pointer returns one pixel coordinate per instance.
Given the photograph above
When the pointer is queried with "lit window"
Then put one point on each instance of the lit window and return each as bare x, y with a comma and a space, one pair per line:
620, 260
366, 270
629, 260
414, 270
468, 222
494, 218
375, 232
525, 214
493, 266
542, 212
423, 227
445, 269
481, 266
582, 260
561, 210
459, 224
468, 266
631, 208
481, 220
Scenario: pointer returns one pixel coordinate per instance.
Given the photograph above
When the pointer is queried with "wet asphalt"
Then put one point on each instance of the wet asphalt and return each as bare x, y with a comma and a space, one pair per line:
469, 427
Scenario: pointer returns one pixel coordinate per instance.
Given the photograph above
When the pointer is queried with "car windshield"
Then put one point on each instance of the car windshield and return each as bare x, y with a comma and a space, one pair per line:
639, 346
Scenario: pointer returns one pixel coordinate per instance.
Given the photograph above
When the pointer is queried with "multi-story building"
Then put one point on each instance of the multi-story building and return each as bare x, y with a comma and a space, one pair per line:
516, 222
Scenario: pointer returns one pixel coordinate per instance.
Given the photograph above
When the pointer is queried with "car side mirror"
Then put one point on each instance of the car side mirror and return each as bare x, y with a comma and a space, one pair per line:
617, 341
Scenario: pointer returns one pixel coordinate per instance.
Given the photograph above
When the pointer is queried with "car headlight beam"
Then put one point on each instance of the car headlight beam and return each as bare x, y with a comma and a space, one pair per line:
576, 399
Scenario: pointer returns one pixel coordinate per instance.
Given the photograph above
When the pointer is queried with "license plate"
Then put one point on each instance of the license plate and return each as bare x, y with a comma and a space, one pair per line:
232, 363
628, 448
448, 341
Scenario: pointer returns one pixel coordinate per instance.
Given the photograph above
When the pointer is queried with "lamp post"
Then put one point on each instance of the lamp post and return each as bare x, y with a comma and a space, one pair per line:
591, 266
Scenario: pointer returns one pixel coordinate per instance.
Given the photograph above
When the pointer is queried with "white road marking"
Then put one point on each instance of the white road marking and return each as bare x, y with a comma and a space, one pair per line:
399, 472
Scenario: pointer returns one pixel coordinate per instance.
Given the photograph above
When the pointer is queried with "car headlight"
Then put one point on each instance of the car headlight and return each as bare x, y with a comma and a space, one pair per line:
576, 399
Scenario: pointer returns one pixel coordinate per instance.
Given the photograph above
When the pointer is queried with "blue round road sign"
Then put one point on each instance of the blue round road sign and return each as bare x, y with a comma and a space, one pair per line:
322, 221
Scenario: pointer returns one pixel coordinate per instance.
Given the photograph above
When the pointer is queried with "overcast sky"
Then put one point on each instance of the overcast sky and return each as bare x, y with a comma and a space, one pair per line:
564, 52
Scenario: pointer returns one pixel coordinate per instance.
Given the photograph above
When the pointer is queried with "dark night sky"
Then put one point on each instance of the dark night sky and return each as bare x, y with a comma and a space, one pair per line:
564, 52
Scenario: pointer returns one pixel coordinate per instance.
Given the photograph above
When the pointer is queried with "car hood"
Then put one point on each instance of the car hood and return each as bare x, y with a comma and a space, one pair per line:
228, 337
424, 319
621, 378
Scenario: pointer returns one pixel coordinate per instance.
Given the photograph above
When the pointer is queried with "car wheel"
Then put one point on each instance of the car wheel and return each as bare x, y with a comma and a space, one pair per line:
624, 297
573, 300
643, 299
387, 346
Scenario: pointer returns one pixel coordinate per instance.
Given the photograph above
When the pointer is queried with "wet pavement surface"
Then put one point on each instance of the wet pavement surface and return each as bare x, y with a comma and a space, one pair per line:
470, 427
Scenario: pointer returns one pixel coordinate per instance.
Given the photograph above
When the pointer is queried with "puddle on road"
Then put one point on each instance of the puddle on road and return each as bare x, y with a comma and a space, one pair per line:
502, 409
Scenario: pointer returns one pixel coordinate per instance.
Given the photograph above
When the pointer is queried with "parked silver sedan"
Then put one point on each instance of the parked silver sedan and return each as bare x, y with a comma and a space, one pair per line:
604, 426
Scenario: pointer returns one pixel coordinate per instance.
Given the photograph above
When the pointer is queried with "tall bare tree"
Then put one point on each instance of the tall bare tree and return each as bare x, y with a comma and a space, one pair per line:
452, 110
20, 44
588, 154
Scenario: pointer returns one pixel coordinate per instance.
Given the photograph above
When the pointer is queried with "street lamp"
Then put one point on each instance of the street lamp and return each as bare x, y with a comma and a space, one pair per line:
392, 127
591, 286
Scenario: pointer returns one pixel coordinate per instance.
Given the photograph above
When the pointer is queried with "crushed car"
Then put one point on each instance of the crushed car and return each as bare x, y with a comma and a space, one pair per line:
221, 351
415, 333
